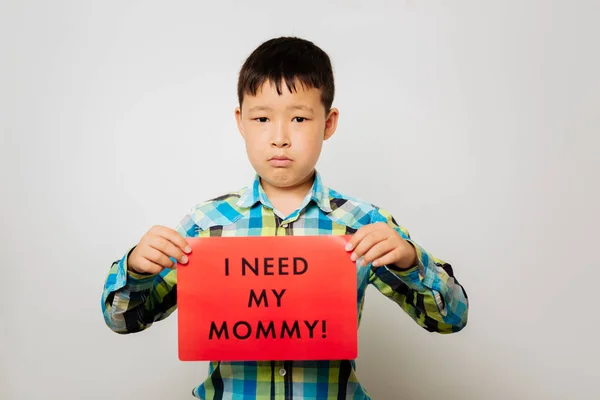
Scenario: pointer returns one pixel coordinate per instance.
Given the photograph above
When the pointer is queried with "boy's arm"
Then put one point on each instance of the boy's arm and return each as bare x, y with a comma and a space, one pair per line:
428, 291
132, 302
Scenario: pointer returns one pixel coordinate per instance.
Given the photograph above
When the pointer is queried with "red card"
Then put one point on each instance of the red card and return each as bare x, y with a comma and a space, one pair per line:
267, 298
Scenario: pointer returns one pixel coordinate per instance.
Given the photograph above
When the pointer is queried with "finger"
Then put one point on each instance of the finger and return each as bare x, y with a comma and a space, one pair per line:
378, 250
359, 235
159, 258
150, 267
367, 243
386, 259
174, 237
168, 248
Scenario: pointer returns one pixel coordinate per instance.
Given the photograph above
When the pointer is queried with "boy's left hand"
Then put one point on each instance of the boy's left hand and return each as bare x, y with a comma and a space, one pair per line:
381, 245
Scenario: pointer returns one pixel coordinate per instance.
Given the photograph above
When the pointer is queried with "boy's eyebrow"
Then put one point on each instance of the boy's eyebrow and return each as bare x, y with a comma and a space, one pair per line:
292, 107
259, 108
300, 107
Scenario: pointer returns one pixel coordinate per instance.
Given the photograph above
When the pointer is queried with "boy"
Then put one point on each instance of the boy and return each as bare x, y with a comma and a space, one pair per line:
285, 93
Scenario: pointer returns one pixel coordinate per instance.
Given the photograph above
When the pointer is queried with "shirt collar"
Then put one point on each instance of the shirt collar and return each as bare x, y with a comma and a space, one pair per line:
319, 193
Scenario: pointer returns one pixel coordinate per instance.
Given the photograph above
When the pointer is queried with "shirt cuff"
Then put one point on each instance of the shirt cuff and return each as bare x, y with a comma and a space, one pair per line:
425, 276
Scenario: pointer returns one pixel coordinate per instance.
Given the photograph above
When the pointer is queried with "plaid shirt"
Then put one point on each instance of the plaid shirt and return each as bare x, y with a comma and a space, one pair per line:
428, 292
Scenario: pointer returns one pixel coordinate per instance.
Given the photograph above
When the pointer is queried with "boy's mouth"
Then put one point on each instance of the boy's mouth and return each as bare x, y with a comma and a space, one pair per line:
280, 161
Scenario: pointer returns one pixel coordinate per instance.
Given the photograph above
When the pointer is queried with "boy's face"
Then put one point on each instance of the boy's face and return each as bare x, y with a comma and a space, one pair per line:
284, 133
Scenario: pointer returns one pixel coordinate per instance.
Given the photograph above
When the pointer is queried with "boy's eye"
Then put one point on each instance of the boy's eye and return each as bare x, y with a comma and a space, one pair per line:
261, 119
299, 119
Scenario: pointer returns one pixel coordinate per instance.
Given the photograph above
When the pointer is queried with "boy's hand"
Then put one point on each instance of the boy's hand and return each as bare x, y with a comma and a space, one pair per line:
382, 245
152, 254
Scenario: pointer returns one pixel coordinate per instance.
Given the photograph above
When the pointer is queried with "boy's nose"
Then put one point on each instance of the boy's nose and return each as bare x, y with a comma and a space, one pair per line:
280, 138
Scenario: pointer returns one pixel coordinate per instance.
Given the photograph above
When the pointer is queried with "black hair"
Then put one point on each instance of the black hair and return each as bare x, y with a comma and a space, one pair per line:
291, 60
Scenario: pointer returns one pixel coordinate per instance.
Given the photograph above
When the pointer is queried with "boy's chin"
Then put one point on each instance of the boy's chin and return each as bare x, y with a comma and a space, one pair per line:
285, 178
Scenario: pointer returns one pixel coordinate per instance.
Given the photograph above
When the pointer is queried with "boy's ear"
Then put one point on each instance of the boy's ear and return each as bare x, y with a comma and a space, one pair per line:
331, 123
238, 120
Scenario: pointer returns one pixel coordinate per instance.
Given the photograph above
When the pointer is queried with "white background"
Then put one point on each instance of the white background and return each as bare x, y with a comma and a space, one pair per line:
475, 122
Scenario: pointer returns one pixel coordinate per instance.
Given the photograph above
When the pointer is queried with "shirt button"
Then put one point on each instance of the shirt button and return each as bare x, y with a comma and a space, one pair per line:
284, 225
282, 372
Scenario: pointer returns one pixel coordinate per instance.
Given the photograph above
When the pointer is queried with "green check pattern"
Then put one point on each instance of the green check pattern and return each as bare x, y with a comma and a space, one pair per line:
428, 292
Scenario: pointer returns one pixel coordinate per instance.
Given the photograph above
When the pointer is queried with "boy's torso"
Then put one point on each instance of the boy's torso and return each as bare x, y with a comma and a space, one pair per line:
249, 213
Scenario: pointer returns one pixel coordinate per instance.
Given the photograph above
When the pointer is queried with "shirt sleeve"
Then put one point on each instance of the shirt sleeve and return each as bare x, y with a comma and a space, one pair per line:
428, 292
132, 302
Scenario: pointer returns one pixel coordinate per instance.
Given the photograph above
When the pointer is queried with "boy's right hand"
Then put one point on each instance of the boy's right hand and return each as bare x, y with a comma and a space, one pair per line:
152, 253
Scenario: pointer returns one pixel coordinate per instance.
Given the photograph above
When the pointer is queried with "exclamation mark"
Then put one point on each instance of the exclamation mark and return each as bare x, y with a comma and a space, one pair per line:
324, 329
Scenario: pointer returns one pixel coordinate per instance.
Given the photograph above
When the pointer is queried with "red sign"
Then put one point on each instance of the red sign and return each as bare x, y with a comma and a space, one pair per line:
267, 298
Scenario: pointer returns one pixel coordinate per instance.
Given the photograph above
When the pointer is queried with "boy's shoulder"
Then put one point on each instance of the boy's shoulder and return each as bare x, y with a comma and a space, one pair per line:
221, 210
356, 212
226, 206
340, 199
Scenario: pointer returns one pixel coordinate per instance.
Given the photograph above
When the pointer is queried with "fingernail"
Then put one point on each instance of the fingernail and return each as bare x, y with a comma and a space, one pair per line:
188, 249
349, 247
184, 259
353, 257
359, 263
375, 263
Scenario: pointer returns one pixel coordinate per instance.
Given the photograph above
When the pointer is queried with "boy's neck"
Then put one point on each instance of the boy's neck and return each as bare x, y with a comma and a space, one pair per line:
288, 199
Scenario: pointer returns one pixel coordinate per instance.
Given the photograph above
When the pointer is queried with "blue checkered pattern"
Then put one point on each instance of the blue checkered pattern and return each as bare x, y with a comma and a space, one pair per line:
428, 292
